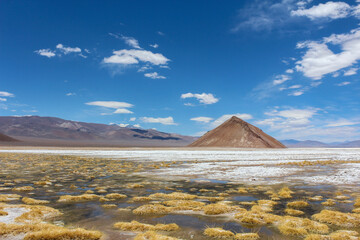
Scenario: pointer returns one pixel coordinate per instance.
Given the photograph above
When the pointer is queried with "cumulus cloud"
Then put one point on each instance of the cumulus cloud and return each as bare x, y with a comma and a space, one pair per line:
154, 75
122, 111
202, 119
154, 45
67, 50
46, 53
134, 56
319, 60
70, 94
205, 98
164, 121
110, 104
330, 10
132, 119
6, 94
3, 99
223, 118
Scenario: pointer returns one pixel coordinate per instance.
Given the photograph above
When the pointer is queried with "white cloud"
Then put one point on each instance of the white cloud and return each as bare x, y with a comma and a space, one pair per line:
46, 53
279, 79
154, 75
154, 45
202, 119
296, 93
6, 94
110, 104
144, 68
67, 50
342, 122
319, 60
351, 71
161, 33
132, 42
205, 98
223, 118
70, 94
3, 99
164, 121
330, 10
133, 56
295, 86
132, 119
137, 125
289, 71
123, 125
122, 111
343, 84
290, 119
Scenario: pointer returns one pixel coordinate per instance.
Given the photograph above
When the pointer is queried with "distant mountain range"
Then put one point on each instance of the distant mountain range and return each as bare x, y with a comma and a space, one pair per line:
53, 131
291, 143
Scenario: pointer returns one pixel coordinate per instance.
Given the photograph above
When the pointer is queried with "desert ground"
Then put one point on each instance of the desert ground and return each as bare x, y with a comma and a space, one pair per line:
179, 193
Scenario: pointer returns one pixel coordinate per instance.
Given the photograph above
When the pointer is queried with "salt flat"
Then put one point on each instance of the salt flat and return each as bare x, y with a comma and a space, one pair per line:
259, 166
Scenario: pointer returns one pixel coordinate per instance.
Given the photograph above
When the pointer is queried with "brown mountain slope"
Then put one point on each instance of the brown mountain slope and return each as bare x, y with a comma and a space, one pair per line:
5, 138
237, 133
38, 130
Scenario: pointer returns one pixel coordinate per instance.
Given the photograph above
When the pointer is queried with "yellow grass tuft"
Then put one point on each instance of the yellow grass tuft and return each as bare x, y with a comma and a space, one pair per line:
9, 197
152, 235
115, 196
218, 233
173, 196
184, 204
285, 192
32, 201
109, 206
247, 236
64, 234
152, 209
78, 198
3, 213
217, 208
338, 218
242, 190
329, 202
141, 199
23, 189
357, 202
316, 198
297, 204
140, 227
37, 213
293, 212
294, 226
256, 218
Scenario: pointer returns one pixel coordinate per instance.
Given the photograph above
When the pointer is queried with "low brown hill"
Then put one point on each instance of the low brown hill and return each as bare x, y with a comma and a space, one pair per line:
237, 133
5, 138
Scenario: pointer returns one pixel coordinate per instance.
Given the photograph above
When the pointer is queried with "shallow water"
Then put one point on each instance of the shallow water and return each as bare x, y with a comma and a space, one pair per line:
74, 175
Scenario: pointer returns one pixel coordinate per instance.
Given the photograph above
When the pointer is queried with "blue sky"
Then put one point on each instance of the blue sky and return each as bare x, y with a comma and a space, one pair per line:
289, 67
